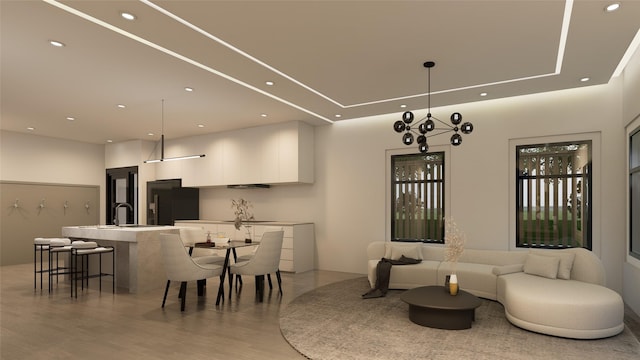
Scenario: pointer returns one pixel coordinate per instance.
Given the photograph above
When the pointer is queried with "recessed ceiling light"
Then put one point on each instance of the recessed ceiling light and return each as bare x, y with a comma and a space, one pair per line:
483, 94
56, 43
109, 141
403, 105
31, 128
188, 89
128, 16
270, 83
338, 115
150, 134
264, 115
121, 106
585, 79
612, 7
70, 118
200, 125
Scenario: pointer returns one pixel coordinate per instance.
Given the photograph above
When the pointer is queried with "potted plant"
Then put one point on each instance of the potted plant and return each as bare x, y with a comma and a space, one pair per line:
242, 211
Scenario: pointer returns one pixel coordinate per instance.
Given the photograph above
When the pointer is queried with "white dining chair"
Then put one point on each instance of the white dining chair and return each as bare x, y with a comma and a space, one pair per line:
179, 266
266, 260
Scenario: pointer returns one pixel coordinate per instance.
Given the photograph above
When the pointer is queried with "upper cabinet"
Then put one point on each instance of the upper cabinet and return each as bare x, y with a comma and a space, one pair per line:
274, 154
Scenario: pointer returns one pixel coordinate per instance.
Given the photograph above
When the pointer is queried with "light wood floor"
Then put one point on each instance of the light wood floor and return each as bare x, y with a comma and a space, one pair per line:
39, 325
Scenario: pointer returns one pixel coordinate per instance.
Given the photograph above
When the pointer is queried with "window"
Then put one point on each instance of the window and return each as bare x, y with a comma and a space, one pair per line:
553, 195
417, 197
634, 193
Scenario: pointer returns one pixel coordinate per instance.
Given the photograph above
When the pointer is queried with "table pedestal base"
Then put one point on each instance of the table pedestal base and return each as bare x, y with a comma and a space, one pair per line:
441, 319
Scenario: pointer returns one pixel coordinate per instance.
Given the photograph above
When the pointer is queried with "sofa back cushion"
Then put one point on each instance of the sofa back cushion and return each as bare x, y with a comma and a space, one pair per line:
492, 257
540, 265
566, 260
395, 250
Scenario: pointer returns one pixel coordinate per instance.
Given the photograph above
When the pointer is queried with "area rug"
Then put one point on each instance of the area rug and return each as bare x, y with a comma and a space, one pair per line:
334, 322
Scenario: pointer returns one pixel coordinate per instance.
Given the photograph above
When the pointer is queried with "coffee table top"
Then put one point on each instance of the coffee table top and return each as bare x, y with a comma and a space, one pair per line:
436, 297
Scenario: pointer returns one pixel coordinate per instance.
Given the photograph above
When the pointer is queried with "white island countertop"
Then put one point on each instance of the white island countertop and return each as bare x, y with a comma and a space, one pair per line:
250, 222
127, 233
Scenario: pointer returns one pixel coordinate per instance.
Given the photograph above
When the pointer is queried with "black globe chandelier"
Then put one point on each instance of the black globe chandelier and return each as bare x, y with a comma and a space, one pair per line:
427, 124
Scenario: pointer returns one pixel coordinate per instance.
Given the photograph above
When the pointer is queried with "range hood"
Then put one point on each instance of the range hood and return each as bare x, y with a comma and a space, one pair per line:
249, 186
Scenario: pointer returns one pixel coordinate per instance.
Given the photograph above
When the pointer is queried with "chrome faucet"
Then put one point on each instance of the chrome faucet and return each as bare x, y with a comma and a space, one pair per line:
116, 221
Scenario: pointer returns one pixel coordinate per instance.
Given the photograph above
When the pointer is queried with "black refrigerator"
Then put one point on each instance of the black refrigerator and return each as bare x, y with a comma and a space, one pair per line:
168, 202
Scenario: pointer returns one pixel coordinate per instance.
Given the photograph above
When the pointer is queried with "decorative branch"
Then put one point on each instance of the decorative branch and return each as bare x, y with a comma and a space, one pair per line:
454, 240
241, 209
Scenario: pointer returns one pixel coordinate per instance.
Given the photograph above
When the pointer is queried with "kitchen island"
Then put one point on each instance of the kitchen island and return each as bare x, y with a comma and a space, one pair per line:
139, 265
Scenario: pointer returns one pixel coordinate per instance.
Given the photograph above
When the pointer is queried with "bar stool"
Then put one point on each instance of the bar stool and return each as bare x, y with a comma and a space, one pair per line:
40, 245
57, 246
80, 253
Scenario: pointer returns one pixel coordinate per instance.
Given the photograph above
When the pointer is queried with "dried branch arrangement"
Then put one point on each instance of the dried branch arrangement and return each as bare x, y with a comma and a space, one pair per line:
454, 240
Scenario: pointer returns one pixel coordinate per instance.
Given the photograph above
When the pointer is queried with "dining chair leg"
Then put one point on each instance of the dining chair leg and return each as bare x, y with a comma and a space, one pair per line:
279, 281
260, 287
183, 291
269, 278
166, 290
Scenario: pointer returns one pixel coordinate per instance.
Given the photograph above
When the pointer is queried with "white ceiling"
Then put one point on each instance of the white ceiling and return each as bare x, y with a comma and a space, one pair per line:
353, 58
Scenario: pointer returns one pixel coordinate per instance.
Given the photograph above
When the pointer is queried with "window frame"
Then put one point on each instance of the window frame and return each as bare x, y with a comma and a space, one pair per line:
596, 166
632, 170
389, 183
535, 182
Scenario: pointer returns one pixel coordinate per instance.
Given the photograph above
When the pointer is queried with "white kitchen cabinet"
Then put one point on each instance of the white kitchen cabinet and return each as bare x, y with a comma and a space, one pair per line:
273, 154
298, 243
298, 248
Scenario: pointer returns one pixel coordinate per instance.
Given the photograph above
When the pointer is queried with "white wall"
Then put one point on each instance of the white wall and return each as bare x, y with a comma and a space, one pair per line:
631, 119
39, 159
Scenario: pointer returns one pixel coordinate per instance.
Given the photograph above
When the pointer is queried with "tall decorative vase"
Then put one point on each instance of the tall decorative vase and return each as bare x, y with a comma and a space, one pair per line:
453, 284
247, 237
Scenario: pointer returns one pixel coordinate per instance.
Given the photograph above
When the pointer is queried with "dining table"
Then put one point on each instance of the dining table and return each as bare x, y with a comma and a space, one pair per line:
230, 248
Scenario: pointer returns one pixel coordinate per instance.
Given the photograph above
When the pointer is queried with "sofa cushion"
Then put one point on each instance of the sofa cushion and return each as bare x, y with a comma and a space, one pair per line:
507, 269
570, 308
566, 261
394, 251
540, 265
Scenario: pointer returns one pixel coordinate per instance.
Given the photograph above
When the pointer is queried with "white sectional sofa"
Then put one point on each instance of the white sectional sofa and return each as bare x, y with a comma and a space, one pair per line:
555, 292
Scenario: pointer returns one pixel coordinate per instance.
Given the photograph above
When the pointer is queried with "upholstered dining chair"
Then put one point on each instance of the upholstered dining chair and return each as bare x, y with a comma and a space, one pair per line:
179, 266
265, 260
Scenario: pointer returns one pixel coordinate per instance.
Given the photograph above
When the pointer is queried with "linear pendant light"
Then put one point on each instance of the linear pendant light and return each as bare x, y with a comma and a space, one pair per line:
162, 158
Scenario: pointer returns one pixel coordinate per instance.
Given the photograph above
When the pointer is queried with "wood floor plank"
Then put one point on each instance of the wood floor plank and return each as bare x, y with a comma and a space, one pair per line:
99, 325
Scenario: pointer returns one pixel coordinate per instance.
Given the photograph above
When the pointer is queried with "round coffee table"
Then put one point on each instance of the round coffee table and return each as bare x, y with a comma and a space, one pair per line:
434, 307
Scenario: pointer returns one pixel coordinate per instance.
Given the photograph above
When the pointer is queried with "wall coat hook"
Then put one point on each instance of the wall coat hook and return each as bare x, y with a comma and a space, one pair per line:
41, 206
15, 204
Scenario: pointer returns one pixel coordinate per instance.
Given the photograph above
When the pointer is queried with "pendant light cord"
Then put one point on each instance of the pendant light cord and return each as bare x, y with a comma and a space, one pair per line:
429, 90
162, 134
